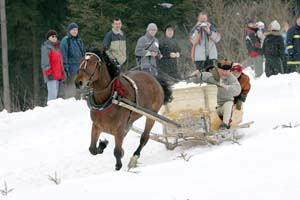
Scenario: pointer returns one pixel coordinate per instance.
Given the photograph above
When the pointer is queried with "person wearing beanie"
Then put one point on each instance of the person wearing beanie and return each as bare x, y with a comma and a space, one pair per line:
170, 54
228, 88
114, 44
273, 50
293, 45
244, 80
204, 37
72, 49
253, 44
147, 50
52, 64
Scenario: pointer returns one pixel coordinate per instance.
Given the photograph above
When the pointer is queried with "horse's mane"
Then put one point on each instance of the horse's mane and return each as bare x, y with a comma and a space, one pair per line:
112, 68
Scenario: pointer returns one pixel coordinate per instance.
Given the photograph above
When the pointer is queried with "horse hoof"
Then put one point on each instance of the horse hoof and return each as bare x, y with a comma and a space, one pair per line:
93, 151
133, 162
103, 144
118, 167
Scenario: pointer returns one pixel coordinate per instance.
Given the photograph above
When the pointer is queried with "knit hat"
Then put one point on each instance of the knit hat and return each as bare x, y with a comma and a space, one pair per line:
72, 25
236, 67
50, 33
275, 26
151, 26
251, 20
225, 64
169, 26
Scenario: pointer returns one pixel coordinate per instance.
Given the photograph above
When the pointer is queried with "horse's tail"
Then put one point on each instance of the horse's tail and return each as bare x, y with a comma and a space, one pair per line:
166, 88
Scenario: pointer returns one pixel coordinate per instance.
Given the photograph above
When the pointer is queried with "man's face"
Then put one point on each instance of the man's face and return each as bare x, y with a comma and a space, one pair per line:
298, 21
117, 25
223, 73
169, 32
152, 32
202, 18
236, 73
74, 32
252, 25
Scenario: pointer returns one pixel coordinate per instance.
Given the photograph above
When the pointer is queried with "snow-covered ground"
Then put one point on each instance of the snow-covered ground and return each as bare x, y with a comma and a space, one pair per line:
38, 143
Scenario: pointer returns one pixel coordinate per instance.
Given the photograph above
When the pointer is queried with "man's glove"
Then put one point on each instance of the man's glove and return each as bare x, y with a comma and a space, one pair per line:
50, 77
291, 53
173, 55
239, 104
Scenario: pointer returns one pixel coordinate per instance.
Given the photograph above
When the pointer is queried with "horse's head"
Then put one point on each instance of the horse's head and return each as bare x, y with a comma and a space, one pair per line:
88, 71
95, 66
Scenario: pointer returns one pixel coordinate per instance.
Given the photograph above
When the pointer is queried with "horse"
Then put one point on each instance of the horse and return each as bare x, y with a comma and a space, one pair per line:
102, 77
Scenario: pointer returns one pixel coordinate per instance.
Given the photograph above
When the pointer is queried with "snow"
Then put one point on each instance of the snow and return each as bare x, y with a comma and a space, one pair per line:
41, 142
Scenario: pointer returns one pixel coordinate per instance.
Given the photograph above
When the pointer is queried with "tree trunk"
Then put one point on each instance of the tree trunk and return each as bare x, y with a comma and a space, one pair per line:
6, 90
35, 70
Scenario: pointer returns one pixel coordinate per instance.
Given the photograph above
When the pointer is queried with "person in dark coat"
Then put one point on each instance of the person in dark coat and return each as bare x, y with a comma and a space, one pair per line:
52, 64
72, 50
170, 53
293, 45
273, 49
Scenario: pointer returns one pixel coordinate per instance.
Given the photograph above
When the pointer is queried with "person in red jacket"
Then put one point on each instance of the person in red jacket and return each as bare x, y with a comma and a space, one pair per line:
253, 45
237, 71
52, 64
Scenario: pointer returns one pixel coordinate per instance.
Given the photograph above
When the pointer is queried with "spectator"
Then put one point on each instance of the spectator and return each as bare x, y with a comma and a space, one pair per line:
114, 44
273, 49
52, 64
261, 31
147, 50
293, 45
170, 53
285, 28
72, 50
254, 47
237, 71
204, 37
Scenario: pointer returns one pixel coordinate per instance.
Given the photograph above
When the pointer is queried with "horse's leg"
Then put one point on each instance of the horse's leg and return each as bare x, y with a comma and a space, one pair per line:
94, 138
143, 141
145, 136
118, 151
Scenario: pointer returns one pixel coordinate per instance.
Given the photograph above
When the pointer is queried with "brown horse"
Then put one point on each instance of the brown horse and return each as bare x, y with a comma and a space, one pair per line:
102, 77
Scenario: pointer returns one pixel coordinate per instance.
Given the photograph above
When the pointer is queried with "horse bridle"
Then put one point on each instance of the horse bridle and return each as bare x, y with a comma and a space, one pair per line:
83, 66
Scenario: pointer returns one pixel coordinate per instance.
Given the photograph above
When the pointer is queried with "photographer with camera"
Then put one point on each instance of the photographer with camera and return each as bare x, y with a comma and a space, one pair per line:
204, 37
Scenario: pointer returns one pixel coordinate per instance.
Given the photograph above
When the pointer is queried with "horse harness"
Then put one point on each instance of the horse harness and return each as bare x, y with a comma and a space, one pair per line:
118, 91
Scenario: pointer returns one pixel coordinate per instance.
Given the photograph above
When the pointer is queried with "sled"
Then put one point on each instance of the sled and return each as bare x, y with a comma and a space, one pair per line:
194, 109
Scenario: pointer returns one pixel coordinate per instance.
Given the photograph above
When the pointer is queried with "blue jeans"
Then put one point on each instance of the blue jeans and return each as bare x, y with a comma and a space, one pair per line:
52, 86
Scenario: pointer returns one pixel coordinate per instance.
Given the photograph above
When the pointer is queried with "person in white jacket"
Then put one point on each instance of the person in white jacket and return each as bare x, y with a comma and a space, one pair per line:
204, 37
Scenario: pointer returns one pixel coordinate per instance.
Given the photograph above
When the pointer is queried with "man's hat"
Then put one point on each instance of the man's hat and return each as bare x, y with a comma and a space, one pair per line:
225, 64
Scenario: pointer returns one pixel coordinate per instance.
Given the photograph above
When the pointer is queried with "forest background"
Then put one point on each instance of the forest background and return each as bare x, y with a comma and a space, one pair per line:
29, 20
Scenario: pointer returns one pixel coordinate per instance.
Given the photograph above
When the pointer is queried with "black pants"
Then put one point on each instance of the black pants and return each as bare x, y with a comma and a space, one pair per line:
273, 65
205, 65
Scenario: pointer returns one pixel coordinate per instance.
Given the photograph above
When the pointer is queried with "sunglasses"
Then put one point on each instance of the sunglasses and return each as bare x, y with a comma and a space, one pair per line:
53, 36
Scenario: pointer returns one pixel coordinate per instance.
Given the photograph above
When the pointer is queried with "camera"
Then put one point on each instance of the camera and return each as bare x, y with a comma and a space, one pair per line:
203, 24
